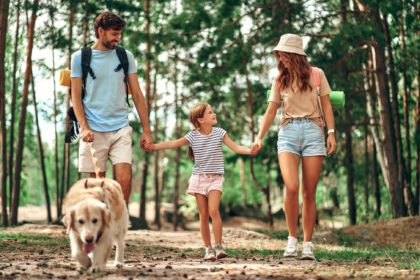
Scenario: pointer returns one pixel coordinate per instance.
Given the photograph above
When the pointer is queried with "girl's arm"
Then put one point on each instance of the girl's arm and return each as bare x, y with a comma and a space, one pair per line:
169, 144
268, 118
238, 148
329, 119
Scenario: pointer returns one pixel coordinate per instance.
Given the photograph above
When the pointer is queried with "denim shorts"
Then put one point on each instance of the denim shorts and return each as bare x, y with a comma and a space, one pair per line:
301, 137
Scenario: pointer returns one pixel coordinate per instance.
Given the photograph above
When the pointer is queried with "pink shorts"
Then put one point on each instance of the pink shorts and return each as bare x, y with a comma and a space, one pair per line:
204, 183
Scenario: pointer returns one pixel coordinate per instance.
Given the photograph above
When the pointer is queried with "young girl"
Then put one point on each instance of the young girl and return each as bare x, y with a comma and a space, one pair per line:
206, 182
301, 135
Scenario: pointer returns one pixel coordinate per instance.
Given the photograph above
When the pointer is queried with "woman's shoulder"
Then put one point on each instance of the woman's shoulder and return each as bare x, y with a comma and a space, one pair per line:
319, 70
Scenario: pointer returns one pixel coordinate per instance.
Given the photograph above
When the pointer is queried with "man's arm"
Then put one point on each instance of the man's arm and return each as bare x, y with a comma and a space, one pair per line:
76, 100
141, 107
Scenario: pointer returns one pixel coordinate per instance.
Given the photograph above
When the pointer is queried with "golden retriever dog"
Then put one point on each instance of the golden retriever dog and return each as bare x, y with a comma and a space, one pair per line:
96, 218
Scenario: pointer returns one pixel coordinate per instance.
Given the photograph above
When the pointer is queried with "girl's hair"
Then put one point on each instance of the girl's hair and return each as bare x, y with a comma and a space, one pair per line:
299, 69
196, 112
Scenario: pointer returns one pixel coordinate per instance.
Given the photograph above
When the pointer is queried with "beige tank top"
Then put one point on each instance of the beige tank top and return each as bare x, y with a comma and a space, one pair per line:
296, 104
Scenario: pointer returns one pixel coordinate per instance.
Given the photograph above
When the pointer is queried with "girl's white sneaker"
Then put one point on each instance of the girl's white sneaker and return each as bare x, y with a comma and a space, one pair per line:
291, 249
307, 251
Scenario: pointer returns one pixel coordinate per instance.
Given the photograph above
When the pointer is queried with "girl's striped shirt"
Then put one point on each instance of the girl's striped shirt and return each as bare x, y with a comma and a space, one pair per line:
207, 151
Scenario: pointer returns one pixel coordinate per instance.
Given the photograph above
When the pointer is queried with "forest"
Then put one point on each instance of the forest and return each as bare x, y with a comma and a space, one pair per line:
219, 52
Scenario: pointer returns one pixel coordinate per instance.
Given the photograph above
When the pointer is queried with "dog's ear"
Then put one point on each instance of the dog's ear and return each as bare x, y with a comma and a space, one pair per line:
106, 217
68, 221
86, 184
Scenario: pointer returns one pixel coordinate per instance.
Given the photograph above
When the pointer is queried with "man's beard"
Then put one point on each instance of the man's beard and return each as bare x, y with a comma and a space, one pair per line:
108, 45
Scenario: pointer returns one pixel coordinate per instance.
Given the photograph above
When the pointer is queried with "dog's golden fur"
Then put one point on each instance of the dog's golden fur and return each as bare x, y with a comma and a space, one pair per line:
96, 217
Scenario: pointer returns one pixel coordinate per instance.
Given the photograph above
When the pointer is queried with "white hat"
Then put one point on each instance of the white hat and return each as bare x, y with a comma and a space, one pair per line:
290, 43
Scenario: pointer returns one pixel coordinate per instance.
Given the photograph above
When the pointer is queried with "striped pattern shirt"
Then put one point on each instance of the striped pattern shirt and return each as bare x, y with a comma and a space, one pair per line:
207, 151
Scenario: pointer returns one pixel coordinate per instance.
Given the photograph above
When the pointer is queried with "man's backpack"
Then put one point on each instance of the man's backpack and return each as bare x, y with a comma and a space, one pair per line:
73, 132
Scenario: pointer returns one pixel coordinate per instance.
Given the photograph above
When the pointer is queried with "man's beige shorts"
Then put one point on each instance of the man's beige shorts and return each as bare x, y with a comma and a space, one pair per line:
114, 144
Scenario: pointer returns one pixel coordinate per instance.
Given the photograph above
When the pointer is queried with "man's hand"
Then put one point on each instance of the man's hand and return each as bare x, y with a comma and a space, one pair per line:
146, 142
87, 135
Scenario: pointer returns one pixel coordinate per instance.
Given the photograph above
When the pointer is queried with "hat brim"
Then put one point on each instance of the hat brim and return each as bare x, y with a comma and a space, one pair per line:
289, 50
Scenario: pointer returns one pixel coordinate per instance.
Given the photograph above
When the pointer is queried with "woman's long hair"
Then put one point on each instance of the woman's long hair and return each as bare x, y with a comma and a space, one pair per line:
196, 112
298, 69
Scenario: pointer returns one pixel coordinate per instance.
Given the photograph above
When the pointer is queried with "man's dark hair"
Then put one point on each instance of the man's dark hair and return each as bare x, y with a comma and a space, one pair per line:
108, 20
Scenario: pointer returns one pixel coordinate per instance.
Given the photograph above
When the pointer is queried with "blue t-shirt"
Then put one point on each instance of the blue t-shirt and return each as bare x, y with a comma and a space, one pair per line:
207, 149
105, 102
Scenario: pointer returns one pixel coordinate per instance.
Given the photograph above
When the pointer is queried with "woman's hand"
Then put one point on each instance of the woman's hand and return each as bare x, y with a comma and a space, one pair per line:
257, 145
331, 144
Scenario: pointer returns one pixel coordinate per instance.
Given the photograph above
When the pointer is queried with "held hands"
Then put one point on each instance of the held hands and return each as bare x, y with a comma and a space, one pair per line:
331, 144
256, 147
146, 142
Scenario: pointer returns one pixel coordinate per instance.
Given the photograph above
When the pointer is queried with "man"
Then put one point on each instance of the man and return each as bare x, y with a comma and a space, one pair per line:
103, 112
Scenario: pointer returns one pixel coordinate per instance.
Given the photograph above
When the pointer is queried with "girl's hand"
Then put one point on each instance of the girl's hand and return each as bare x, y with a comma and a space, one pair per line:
255, 149
331, 144
149, 147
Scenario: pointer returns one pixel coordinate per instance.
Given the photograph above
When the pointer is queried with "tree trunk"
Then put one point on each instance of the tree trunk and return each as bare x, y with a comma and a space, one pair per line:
66, 149
4, 12
22, 118
348, 158
156, 154
370, 88
366, 185
149, 103
388, 136
145, 171
41, 153
243, 185
264, 190
56, 166
415, 199
417, 140
178, 131
376, 185
13, 105
402, 170
86, 23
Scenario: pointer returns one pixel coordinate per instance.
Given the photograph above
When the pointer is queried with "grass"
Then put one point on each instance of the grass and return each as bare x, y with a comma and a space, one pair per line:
275, 234
406, 259
19, 242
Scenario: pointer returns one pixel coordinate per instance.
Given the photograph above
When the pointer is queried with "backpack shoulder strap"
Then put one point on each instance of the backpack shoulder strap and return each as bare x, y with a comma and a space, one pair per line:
86, 58
122, 56
316, 72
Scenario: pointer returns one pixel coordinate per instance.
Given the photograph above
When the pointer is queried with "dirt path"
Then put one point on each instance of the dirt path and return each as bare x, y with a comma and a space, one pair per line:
42, 252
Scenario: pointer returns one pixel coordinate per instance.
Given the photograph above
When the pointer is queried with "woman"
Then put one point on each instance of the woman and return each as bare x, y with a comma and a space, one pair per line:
303, 93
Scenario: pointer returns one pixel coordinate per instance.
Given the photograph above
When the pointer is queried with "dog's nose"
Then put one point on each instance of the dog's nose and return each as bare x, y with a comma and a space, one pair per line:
89, 239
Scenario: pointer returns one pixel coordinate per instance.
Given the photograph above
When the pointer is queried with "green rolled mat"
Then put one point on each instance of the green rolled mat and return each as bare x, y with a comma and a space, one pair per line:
337, 98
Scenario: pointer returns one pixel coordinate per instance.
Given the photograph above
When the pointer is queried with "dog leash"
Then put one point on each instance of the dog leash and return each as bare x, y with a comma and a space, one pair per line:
94, 159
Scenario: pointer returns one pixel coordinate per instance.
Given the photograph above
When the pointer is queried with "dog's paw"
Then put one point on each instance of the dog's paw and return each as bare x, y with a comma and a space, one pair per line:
94, 269
118, 265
